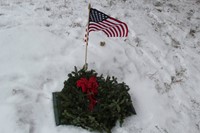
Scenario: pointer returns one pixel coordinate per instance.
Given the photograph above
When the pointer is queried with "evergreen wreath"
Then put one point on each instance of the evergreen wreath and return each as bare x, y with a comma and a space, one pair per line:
92, 102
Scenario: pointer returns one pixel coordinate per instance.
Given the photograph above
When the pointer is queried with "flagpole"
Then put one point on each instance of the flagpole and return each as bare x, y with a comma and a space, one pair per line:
87, 38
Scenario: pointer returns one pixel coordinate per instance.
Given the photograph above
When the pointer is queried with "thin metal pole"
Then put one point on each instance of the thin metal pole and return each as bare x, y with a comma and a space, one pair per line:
87, 39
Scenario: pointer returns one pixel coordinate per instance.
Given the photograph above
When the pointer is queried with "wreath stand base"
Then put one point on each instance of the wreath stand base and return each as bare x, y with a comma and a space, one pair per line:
56, 108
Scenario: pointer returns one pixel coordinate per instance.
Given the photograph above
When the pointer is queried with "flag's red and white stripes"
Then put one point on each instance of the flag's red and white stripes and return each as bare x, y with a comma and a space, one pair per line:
86, 38
111, 27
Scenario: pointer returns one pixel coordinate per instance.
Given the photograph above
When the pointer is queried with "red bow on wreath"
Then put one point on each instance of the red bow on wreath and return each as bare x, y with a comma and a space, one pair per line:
90, 87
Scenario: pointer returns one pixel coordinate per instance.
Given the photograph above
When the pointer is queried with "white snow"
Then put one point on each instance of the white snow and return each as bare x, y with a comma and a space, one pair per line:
42, 40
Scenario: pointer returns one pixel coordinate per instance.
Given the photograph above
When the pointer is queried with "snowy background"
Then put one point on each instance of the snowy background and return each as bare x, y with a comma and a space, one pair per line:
42, 40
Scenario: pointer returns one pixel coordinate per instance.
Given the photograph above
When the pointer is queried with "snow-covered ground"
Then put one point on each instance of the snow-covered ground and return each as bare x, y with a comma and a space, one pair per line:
42, 40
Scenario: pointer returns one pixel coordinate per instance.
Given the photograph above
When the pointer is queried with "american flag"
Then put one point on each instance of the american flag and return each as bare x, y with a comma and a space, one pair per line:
112, 27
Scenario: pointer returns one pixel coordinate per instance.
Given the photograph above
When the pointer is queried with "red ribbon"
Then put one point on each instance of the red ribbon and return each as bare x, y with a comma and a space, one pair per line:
90, 87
